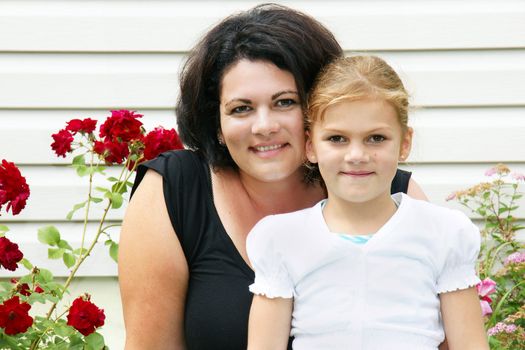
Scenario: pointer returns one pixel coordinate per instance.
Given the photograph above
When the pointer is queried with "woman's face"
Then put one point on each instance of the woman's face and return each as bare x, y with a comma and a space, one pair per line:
262, 120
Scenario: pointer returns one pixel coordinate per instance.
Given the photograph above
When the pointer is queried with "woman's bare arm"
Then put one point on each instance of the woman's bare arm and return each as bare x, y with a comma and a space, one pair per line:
415, 191
153, 273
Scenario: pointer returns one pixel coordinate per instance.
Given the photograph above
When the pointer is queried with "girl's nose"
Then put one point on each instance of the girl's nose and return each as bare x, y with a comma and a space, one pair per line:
264, 124
356, 154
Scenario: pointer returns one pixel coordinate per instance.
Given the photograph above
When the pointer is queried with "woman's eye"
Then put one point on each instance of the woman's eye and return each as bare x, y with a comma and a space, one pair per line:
287, 102
336, 139
240, 109
376, 138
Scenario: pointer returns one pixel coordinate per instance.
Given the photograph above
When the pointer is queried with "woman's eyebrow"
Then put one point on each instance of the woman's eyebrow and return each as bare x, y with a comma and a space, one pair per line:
276, 95
242, 100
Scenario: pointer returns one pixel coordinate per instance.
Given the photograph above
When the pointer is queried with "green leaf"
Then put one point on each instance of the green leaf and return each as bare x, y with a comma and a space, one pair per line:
75, 208
113, 251
78, 251
46, 275
79, 160
64, 244
64, 330
69, 259
112, 179
36, 297
49, 235
116, 199
96, 199
55, 253
119, 187
26, 264
101, 189
3, 229
108, 242
82, 170
95, 340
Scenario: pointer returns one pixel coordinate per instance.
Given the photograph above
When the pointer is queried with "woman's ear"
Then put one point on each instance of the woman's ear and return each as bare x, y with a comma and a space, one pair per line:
309, 149
406, 144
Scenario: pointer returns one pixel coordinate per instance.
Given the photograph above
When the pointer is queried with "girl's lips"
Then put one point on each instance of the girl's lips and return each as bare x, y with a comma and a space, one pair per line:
360, 173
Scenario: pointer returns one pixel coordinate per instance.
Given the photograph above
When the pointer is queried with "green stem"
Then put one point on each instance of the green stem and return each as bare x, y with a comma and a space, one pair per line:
503, 299
88, 205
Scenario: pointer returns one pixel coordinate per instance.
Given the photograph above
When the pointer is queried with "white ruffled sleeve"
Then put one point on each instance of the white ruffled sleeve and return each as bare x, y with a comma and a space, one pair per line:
271, 277
459, 271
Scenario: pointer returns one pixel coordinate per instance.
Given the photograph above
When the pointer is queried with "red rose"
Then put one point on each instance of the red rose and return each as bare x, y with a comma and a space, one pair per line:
160, 140
112, 152
23, 288
14, 316
62, 143
122, 126
85, 316
13, 188
10, 255
87, 125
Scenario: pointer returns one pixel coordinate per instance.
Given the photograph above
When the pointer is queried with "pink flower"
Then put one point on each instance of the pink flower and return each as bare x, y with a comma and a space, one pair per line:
485, 307
486, 287
518, 176
451, 196
491, 171
501, 327
515, 258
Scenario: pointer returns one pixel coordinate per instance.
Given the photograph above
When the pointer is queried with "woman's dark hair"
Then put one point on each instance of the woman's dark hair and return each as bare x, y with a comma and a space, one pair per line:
291, 40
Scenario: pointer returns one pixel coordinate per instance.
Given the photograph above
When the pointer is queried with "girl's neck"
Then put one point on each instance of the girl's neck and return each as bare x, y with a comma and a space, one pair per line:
359, 217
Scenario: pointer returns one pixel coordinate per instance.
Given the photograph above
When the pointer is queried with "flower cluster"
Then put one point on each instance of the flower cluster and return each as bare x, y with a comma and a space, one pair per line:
121, 136
501, 263
121, 139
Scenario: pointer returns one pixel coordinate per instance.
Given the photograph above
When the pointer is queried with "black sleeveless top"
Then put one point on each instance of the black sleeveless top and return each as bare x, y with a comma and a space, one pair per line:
218, 300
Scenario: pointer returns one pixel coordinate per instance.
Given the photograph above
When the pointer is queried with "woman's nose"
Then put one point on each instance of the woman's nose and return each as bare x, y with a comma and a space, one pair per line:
265, 124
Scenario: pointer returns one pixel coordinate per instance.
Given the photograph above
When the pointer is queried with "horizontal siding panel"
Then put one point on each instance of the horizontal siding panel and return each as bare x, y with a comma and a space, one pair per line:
25, 135
77, 81
162, 26
26, 236
492, 134
56, 189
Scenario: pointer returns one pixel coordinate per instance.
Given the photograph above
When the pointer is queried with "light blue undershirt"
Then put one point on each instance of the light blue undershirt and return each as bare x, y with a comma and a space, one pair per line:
357, 239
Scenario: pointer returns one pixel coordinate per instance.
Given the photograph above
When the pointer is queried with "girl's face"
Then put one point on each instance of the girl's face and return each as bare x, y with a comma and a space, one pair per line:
357, 147
262, 120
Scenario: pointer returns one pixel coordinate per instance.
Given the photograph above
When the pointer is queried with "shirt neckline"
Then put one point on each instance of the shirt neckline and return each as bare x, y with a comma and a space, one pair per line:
399, 197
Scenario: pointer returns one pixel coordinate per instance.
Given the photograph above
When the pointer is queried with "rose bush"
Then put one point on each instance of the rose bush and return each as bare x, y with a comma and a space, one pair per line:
122, 140
501, 263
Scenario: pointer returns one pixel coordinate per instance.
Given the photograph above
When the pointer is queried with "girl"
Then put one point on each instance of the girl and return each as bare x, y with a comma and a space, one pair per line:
363, 269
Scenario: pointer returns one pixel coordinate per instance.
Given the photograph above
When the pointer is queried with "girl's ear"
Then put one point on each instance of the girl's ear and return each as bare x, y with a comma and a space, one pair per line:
310, 154
406, 144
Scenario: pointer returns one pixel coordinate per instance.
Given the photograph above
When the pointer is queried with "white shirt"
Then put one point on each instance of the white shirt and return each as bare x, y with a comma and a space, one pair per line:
380, 295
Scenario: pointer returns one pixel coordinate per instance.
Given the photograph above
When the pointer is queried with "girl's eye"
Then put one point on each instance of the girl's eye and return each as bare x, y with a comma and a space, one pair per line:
336, 139
376, 139
287, 102
240, 109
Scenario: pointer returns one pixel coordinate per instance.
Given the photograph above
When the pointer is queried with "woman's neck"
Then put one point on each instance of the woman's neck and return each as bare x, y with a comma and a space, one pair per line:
286, 195
359, 217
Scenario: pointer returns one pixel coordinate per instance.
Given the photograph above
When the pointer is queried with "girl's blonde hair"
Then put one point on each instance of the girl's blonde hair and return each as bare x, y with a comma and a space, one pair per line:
356, 78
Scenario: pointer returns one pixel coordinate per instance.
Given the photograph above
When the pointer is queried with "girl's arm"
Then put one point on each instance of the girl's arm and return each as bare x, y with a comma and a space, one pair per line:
462, 320
270, 322
153, 273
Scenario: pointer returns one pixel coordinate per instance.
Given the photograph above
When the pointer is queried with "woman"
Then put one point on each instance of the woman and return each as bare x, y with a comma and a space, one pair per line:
183, 269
